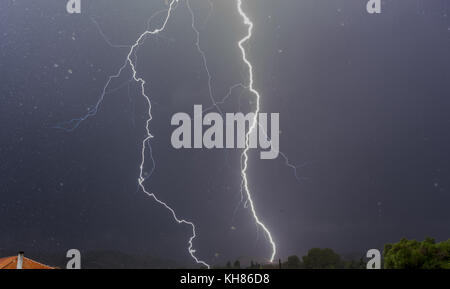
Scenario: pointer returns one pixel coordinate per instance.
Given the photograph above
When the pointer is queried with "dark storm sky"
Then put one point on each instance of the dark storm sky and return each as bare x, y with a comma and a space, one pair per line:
364, 114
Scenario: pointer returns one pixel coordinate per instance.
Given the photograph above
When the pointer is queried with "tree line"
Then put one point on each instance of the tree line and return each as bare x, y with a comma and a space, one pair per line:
316, 258
405, 254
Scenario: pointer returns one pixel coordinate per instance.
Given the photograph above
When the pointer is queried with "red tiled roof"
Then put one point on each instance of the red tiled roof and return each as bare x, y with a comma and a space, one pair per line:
4, 262
11, 263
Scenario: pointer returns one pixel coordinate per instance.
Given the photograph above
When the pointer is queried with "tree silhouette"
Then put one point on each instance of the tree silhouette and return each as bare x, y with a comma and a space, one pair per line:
322, 259
237, 264
411, 254
293, 262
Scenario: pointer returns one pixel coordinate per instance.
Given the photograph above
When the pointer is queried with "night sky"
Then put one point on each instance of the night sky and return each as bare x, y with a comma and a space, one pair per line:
364, 105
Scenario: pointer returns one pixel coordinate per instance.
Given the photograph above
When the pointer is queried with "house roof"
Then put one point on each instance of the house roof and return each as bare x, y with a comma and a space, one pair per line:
11, 263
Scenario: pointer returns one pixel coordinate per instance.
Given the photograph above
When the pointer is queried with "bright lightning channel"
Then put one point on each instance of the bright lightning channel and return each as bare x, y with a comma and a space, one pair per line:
74, 123
142, 179
252, 127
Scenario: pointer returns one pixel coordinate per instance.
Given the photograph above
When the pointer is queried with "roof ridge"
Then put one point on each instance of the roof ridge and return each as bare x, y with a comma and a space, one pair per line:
37, 262
12, 259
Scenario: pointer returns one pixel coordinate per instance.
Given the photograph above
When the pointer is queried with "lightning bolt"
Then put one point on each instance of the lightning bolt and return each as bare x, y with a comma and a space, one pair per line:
252, 127
149, 136
254, 123
74, 123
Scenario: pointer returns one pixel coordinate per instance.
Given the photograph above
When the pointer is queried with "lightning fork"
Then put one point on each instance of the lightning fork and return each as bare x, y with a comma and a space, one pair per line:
244, 156
142, 178
203, 55
74, 123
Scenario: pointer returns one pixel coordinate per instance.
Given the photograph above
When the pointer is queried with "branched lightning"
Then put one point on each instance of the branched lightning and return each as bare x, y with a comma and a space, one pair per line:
142, 178
74, 123
146, 146
252, 127
203, 55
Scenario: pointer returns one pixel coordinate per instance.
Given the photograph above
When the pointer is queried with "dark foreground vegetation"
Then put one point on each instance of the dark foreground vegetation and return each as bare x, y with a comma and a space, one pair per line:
315, 259
406, 254
411, 254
